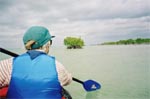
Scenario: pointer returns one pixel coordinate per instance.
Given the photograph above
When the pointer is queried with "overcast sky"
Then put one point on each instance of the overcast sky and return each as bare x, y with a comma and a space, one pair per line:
95, 21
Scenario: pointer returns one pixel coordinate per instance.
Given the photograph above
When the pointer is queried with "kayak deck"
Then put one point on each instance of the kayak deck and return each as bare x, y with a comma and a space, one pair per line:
3, 93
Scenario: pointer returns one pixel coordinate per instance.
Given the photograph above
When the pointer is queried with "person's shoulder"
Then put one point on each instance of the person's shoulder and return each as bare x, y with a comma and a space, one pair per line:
22, 55
50, 56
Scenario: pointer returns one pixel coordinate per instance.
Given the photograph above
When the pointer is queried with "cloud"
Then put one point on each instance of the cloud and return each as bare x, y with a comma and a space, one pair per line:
95, 21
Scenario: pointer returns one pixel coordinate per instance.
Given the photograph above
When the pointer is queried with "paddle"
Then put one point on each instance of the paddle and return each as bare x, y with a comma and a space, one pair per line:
89, 85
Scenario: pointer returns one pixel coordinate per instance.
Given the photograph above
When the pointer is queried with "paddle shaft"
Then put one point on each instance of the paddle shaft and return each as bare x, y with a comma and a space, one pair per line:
15, 55
8, 52
77, 80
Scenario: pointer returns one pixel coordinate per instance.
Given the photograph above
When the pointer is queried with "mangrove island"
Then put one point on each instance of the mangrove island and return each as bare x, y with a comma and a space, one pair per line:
73, 43
129, 41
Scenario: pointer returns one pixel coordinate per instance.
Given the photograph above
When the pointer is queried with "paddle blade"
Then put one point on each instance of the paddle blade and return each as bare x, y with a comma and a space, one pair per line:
91, 85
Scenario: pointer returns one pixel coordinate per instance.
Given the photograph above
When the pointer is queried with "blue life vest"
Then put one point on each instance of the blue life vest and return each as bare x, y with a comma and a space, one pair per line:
34, 76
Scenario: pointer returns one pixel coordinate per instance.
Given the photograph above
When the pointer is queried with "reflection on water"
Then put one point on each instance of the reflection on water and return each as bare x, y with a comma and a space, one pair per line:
92, 95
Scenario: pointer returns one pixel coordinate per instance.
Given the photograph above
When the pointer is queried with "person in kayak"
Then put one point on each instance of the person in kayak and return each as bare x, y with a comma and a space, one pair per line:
34, 74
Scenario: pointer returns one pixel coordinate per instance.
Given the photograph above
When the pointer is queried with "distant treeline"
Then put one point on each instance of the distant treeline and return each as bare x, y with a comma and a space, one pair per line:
129, 41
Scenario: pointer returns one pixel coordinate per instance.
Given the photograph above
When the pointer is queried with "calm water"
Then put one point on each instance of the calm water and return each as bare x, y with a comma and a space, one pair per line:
123, 71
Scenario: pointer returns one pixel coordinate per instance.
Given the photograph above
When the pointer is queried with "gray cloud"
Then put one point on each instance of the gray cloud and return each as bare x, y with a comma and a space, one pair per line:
93, 20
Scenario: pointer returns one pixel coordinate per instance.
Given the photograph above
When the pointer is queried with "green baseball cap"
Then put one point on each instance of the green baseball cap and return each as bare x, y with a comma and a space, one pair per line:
38, 34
